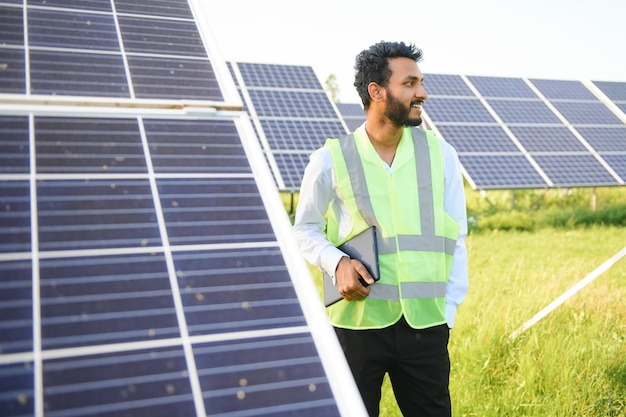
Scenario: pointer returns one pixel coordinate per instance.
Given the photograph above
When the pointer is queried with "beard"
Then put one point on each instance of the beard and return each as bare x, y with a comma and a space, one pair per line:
398, 113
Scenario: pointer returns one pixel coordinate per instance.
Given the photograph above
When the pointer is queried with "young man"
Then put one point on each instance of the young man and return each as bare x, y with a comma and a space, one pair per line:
407, 183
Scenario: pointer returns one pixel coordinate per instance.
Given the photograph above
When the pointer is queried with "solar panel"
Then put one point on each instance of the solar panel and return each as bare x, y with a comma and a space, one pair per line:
353, 114
146, 262
537, 127
292, 115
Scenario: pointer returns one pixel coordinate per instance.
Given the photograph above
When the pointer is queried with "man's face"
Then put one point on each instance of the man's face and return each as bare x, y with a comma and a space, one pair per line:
405, 93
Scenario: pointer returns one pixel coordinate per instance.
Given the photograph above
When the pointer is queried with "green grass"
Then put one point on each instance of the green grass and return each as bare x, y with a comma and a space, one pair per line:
521, 259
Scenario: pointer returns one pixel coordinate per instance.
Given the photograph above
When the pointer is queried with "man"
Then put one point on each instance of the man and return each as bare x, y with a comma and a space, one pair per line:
407, 183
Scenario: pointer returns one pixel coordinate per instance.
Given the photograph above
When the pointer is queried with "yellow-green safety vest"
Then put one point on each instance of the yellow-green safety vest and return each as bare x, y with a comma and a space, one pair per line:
416, 237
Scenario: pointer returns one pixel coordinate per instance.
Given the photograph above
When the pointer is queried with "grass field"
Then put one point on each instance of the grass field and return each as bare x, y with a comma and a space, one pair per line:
572, 363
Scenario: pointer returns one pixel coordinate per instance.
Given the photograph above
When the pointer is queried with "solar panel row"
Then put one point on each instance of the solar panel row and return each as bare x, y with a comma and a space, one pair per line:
146, 265
292, 114
518, 133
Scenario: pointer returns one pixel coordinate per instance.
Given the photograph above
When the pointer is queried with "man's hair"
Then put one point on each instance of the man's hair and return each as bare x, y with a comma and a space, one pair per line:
372, 65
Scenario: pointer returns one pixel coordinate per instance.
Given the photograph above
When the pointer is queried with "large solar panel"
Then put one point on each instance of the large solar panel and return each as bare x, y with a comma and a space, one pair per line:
146, 262
292, 115
521, 133
353, 114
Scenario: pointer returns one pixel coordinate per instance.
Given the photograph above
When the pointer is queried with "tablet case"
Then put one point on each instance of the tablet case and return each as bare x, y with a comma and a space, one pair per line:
362, 247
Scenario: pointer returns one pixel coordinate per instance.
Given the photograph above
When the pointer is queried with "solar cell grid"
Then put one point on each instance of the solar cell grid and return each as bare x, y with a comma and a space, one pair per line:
561, 89
15, 228
13, 78
292, 166
279, 76
521, 111
14, 150
164, 8
618, 163
301, 104
307, 134
103, 6
448, 110
502, 87
614, 90
78, 74
605, 138
446, 85
478, 138
502, 171
547, 139
72, 30
161, 36
568, 170
352, 114
11, 27
15, 308
587, 113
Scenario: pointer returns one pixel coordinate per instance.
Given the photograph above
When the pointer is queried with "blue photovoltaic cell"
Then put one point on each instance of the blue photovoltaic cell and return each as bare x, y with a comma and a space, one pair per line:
160, 36
351, 110
81, 214
501, 171
605, 138
64, 29
102, 6
520, 111
292, 165
275, 387
160, 77
301, 104
478, 138
502, 87
79, 74
14, 149
13, 80
279, 76
94, 145
556, 89
444, 110
547, 139
618, 163
446, 85
17, 383
15, 228
622, 107
220, 210
105, 299
614, 90
11, 27
187, 146
305, 134
164, 8
236, 290
353, 114
583, 113
119, 383
16, 310
574, 170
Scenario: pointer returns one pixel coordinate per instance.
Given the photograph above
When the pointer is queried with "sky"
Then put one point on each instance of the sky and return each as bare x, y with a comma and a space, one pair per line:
547, 39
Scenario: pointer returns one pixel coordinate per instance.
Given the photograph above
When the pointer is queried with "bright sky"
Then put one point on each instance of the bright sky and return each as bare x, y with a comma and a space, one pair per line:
552, 39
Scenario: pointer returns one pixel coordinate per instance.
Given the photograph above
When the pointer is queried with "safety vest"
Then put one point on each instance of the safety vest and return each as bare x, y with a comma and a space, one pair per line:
416, 237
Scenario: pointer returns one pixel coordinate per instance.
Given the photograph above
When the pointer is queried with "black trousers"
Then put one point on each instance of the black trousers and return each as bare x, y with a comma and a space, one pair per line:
417, 361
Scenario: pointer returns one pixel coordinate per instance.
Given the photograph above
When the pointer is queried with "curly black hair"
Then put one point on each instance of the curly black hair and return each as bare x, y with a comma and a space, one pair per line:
372, 65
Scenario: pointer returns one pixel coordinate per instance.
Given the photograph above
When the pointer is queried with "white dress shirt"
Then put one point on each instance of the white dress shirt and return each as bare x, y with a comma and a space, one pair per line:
319, 190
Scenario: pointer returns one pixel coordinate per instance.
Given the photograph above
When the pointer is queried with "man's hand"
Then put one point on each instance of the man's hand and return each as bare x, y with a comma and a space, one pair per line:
349, 275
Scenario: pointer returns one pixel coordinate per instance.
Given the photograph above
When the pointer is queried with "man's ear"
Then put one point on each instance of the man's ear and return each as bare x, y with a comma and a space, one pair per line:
376, 92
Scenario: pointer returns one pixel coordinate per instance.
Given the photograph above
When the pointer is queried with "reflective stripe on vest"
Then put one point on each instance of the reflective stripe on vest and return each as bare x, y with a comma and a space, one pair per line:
428, 241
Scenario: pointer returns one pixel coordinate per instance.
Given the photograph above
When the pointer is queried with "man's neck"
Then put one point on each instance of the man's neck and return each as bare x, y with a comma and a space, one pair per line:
384, 137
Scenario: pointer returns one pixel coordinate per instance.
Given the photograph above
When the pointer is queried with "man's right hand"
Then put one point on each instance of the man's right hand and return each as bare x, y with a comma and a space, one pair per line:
349, 274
